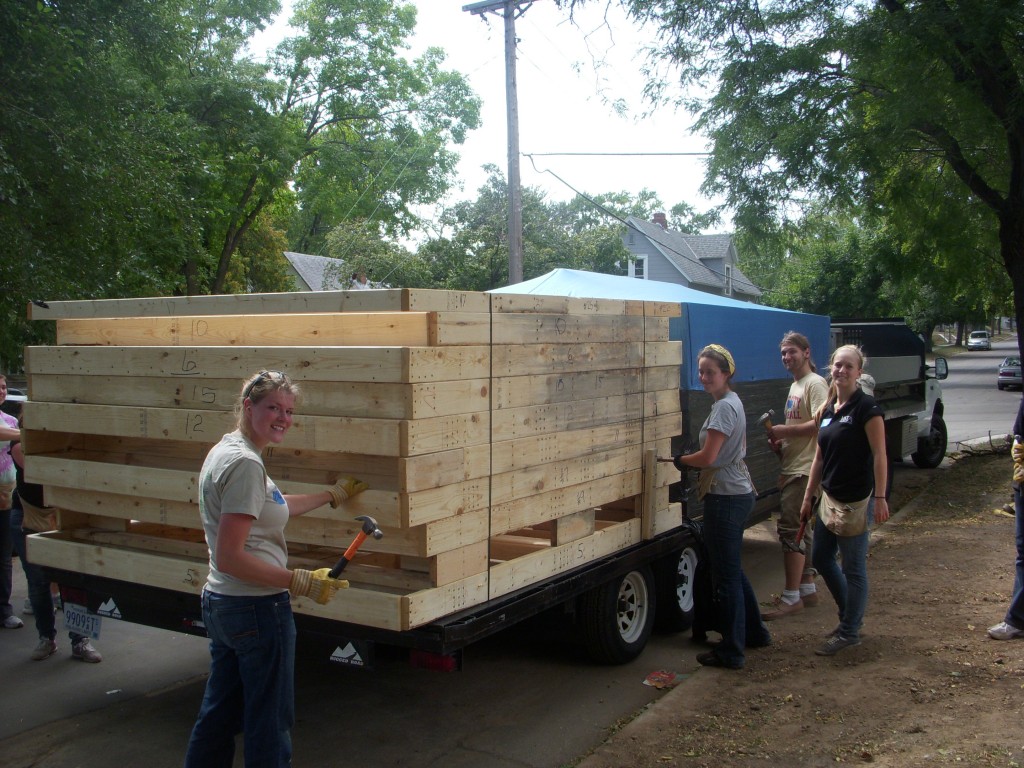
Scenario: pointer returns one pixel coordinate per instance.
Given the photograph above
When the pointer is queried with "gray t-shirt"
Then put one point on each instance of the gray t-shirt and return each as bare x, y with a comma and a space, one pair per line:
727, 417
233, 480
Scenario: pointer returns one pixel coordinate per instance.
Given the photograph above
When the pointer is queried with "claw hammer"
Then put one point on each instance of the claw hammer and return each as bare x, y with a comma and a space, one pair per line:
766, 419
369, 528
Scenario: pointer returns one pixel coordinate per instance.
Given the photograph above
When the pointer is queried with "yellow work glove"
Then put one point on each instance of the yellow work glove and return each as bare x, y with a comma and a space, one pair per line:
1017, 452
315, 584
345, 488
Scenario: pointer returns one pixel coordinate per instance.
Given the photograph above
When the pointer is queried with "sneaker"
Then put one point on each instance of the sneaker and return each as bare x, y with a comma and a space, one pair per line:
835, 644
13, 622
44, 650
783, 609
83, 651
26, 607
1004, 631
810, 599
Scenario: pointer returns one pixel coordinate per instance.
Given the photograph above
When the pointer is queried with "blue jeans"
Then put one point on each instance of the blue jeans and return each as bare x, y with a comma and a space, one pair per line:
1015, 613
38, 585
251, 686
725, 519
6, 565
849, 583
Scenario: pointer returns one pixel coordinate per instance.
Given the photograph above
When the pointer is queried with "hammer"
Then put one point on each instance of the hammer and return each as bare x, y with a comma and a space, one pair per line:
369, 529
766, 419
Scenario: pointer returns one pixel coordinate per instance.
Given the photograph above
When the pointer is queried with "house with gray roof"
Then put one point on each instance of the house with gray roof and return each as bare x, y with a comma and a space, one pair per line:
702, 262
316, 273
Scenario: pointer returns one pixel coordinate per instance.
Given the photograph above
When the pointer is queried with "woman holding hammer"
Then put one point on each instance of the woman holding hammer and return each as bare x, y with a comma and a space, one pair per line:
246, 606
725, 486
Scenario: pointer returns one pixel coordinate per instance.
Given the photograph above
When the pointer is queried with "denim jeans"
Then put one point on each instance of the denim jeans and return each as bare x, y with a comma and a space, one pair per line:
6, 565
251, 685
725, 519
38, 585
1015, 613
848, 583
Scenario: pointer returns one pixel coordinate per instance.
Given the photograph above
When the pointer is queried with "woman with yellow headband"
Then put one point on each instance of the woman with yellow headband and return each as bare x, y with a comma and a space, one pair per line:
728, 493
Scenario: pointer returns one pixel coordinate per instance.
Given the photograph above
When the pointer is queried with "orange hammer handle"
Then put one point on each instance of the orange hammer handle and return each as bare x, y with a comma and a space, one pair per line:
356, 543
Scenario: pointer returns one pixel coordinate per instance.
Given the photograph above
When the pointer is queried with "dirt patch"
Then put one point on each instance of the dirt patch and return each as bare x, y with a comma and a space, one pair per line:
926, 688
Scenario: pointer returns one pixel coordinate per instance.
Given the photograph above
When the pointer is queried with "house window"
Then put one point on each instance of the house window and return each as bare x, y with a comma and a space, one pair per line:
638, 268
728, 280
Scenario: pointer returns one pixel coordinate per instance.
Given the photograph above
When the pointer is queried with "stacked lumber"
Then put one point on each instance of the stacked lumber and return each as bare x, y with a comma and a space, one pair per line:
504, 438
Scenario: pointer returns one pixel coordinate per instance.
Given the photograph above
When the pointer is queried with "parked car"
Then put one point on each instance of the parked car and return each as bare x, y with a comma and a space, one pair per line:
12, 405
979, 340
1009, 373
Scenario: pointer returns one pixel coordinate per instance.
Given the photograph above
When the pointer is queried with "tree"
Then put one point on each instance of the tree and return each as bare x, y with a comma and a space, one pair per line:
142, 152
583, 233
818, 99
359, 129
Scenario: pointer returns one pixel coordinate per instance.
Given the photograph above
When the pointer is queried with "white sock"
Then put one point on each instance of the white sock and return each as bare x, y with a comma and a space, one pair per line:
790, 596
808, 589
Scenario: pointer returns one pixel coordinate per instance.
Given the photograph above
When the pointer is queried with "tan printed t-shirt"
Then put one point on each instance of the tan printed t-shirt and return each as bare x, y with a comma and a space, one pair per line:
805, 397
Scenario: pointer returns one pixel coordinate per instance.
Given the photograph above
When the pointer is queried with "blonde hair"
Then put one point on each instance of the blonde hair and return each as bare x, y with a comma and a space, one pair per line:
261, 384
833, 392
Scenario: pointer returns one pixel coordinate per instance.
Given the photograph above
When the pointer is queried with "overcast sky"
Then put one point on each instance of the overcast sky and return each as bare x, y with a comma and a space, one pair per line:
569, 74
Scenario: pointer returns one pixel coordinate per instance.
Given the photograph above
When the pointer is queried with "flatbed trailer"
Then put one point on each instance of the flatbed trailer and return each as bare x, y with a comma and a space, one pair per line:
616, 602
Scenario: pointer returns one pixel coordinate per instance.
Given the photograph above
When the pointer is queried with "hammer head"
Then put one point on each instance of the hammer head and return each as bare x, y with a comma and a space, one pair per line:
766, 418
370, 527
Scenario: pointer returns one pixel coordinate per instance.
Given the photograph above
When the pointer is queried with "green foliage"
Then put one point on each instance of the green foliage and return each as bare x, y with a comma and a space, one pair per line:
865, 106
142, 152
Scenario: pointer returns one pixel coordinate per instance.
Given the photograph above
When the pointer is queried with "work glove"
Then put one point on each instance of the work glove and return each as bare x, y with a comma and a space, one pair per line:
345, 488
1017, 452
317, 584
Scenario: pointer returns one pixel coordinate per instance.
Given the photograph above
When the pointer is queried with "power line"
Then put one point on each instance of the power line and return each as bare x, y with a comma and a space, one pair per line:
617, 154
618, 217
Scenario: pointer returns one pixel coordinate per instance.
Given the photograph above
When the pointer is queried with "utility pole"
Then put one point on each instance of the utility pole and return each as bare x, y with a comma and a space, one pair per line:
510, 10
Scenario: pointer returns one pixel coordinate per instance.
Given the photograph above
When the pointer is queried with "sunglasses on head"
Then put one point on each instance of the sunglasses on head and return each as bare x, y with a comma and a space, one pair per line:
268, 375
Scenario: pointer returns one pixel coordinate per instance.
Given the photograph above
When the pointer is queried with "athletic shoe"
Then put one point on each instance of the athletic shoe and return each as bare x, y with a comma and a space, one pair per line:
835, 644
83, 651
26, 607
1004, 631
44, 650
13, 622
782, 609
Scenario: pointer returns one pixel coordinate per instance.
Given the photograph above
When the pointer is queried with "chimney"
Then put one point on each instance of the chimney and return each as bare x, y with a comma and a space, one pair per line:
660, 220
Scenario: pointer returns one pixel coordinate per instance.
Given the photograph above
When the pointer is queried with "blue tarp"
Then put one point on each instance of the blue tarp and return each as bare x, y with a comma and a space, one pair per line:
750, 331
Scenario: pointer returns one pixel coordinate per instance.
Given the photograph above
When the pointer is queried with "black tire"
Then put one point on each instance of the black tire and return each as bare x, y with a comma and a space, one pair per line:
617, 617
674, 581
932, 450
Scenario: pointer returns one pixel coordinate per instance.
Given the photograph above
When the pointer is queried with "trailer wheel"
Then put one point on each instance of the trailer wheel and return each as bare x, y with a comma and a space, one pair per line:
616, 618
674, 579
931, 450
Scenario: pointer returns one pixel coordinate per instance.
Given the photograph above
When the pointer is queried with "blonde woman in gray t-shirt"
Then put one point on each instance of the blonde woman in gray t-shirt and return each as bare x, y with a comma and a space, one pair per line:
246, 605
728, 493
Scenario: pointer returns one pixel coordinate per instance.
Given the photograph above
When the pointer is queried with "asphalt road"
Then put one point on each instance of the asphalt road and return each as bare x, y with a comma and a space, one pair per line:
525, 698
975, 408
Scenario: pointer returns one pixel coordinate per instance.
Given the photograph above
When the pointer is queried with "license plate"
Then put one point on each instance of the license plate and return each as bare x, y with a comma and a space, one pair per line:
77, 619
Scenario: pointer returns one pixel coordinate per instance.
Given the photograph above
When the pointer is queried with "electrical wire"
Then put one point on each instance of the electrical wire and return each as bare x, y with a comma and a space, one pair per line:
618, 217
